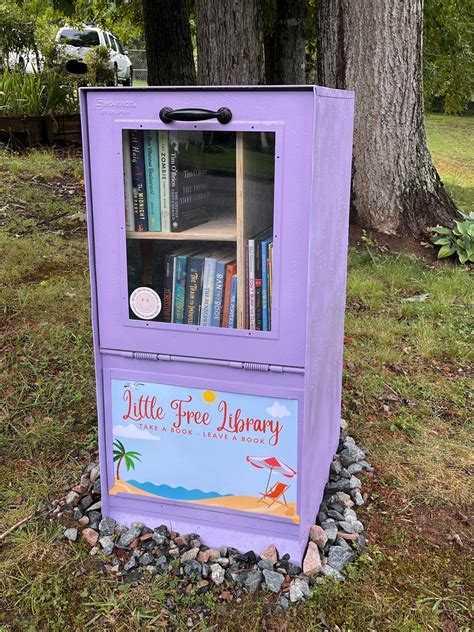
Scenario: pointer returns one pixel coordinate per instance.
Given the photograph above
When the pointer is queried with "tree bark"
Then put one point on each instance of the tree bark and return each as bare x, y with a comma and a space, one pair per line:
229, 42
169, 49
290, 59
375, 48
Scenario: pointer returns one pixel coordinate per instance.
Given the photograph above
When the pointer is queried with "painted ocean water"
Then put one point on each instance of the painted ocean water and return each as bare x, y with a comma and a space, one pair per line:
176, 493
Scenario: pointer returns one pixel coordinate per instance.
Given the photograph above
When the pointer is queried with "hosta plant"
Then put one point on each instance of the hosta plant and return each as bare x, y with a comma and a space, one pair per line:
456, 241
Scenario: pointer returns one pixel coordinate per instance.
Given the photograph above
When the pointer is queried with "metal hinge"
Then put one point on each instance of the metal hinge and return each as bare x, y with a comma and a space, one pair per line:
246, 366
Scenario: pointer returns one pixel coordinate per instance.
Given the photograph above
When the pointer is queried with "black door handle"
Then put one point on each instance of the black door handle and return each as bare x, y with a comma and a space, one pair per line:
167, 115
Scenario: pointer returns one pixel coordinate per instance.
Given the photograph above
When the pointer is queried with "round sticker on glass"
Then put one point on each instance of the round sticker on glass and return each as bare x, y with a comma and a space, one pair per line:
145, 303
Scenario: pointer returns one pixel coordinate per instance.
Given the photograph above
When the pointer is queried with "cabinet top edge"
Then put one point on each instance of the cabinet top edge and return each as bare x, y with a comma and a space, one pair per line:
318, 90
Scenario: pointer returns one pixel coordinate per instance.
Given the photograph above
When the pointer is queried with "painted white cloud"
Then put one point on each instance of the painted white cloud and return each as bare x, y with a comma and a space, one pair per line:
132, 432
278, 410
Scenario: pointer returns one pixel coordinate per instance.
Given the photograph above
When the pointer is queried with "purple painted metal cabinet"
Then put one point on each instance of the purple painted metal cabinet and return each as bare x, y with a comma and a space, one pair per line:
218, 269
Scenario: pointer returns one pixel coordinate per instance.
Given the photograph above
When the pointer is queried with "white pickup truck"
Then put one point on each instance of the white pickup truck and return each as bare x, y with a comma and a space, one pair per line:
75, 43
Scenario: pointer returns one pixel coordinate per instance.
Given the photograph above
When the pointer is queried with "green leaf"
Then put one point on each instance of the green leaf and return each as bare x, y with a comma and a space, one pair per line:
133, 453
463, 257
445, 251
442, 230
129, 463
118, 444
441, 241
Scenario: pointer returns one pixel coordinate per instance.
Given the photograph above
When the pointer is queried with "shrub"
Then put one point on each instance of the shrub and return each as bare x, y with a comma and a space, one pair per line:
40, 94
456, 241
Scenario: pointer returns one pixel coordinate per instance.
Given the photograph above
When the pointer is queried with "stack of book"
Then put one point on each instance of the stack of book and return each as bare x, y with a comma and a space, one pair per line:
259, 282
165, 180
200, 288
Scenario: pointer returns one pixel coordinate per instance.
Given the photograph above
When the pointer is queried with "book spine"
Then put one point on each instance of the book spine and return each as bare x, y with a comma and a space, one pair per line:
218, 294
138, 180
264, 286
230, 270
173, 287
207, 291
150, 141
258, 285
246, 306
164, 182
179, 289
193, 291
174, 190
168, 289
251, 283
270, 283
233, 302
127, 182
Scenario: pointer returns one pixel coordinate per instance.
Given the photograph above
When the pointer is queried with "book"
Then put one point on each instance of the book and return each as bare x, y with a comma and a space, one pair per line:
265, 302
251, 283
270, 281
216, 312
127, 182
150, 142
208, 287
138, 180
230, 271
193, 291
167, 289
179, 284
188, 180
233, 303
164, 181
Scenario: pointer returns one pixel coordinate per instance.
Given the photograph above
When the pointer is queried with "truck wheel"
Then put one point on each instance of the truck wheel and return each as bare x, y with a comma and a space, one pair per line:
129, 81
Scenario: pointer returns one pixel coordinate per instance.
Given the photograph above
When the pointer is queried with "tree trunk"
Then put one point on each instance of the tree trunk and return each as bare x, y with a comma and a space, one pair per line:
270, 61
375, 48
290, 57
229, 42
169, 49
117, 473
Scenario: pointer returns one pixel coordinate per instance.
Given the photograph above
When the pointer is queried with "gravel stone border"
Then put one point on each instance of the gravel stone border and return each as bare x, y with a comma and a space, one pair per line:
139, 552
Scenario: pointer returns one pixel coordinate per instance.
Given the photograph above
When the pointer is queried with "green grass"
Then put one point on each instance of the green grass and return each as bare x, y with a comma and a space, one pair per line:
451, 140
407, 397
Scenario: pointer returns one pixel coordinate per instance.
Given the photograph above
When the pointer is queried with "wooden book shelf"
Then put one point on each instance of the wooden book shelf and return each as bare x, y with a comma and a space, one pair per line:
251, 217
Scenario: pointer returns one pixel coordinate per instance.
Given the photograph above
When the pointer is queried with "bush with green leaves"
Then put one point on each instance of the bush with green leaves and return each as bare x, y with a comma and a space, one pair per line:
38, 94
456, 241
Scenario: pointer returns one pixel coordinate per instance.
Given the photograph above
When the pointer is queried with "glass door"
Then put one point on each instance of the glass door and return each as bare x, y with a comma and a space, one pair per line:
200, 227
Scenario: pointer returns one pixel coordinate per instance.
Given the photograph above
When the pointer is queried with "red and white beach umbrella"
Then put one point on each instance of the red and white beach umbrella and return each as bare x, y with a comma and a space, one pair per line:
273, 464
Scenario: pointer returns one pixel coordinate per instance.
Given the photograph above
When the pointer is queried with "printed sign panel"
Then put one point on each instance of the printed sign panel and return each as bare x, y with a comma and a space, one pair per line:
206, 447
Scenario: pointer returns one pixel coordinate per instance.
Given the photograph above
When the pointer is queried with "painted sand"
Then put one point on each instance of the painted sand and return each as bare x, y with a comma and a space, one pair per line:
240, 503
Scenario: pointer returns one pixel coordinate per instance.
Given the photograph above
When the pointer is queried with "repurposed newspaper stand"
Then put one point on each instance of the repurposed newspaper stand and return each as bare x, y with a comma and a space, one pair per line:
218, 222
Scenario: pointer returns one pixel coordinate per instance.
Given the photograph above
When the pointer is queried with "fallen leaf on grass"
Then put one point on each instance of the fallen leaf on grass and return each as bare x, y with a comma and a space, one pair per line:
418, 298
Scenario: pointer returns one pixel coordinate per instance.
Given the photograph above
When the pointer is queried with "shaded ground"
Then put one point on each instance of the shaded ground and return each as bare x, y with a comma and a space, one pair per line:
407, 397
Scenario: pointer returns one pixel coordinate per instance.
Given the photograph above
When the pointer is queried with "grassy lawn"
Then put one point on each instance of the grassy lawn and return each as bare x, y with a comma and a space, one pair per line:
407, 397
451, 140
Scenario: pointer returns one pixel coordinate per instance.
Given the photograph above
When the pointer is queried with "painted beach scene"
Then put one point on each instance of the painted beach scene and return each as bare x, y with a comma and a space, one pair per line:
213, 448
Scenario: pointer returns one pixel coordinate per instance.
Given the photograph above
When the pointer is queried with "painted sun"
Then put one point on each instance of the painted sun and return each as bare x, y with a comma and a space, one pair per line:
209, 396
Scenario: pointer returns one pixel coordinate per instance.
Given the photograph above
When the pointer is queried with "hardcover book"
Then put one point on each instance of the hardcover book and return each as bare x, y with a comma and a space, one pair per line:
168, 289
233, 303
179, 283
127, 183
216, 313
265, 285
193, 294
150, 141
251, 283
188, 180
138, 180
164, 181
230, 271
208, 286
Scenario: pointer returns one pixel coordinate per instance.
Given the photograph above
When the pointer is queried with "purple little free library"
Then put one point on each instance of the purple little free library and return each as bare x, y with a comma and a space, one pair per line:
218, 222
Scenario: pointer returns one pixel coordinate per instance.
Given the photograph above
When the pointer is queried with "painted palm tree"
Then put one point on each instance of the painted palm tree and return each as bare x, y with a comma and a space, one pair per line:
120, 454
